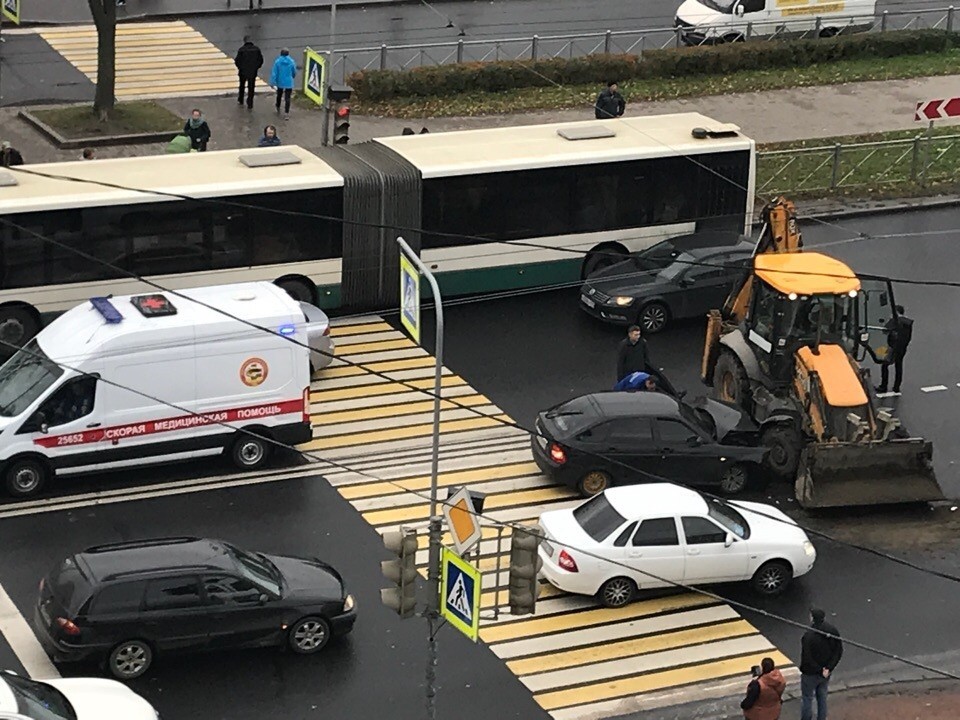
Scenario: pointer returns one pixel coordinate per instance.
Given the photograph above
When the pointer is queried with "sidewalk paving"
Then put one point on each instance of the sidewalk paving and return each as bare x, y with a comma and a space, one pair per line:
778, 115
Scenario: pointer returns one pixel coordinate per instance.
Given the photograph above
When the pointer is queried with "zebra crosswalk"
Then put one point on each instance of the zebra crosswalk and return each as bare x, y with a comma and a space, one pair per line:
579, 660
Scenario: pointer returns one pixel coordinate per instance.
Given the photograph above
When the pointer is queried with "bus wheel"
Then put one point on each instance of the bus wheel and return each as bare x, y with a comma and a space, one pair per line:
18, 323
299, 288
25, 476
251, 449
600, 258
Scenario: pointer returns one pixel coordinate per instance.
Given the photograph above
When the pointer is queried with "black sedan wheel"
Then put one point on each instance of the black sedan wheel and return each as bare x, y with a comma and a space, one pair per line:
593, 483
617, 592
734, 480
309, 635
772, 578
653, 318
130, 659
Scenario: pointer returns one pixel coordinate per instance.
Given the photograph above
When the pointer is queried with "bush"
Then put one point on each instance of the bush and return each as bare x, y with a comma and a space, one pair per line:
454, 79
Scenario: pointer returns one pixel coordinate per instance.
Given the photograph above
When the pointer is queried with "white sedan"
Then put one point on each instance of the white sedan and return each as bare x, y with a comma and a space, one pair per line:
70, 699
657, 535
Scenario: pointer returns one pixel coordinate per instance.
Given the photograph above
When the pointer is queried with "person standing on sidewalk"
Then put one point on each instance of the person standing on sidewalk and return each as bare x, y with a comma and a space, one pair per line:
197, 130
281, 77
610, 103
819, 655
632, 355
249, 60
764, 693
899, 334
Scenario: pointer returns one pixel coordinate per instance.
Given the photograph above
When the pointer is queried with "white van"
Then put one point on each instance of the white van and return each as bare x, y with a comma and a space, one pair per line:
143, 379
711, 21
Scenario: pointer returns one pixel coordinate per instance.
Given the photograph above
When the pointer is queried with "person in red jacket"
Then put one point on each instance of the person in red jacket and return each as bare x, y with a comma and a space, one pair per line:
764, 693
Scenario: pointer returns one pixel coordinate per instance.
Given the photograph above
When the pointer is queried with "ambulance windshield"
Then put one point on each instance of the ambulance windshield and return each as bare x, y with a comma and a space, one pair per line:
24, 378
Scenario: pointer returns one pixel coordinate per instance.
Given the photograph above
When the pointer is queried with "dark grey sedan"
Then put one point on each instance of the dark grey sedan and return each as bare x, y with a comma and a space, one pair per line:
694, 282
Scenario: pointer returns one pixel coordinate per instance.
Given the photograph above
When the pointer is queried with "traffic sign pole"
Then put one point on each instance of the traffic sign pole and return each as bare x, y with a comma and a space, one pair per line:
436, 521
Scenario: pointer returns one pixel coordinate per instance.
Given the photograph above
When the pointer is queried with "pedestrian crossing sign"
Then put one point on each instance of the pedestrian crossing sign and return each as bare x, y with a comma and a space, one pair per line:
460, 593
314, 75
410, 298
11, 10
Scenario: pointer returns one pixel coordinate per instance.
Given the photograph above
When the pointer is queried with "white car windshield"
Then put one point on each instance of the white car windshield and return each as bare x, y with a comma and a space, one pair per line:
724, 6
598, 518
729, 517
38, 700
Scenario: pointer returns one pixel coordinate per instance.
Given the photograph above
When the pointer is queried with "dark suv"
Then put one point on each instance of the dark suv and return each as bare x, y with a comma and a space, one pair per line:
126, 602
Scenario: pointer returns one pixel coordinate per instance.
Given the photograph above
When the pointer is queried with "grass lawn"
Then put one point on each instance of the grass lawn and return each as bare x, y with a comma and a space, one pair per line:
79, 121
548, 98
897, 163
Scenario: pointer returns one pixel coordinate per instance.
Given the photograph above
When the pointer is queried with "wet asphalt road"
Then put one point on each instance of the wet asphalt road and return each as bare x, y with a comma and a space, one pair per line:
526, 353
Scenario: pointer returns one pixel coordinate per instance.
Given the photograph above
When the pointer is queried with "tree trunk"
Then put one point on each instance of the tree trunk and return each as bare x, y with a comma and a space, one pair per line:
105, 18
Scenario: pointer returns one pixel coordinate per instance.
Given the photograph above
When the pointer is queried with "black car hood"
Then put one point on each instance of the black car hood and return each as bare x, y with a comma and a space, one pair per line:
725, 416
623, 278
308, 579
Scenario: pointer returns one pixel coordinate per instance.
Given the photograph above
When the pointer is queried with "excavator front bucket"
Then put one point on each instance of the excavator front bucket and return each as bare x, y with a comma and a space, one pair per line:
871, 473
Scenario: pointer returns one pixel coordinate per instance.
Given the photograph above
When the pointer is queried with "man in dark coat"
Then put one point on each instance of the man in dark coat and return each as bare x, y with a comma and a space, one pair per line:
632, 355
610, 103
899, 334
249, 60
819, 655
9, 155
197, 130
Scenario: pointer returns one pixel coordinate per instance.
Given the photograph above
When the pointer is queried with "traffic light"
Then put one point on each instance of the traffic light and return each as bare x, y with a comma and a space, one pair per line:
525, 564
341, 124
402, 572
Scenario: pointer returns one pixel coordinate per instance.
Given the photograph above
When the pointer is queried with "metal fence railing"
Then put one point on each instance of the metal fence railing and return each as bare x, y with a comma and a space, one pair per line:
344, 61
921, 160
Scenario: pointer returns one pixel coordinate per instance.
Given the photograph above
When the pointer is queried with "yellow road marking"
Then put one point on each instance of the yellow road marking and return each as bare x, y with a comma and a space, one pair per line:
380, 366
417, 512
383, 388
402, 433
629, 648
639, 684
362, 329
500, 596
586, 618
385, 411
459, 477
377, 346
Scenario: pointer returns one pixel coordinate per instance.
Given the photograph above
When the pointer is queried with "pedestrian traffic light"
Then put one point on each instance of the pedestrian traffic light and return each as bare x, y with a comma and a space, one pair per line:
341, 124
525, 564
402, 572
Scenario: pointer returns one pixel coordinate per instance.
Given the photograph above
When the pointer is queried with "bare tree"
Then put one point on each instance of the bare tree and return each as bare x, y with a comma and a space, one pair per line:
105, 18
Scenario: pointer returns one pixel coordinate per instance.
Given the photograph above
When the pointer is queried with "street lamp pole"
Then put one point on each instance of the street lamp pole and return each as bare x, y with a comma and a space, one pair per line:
436, 521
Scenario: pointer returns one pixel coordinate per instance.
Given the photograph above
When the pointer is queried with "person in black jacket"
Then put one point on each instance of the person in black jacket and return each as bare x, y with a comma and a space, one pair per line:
819, 655
197, 130
610, 103
632, 355
899, 334
249, 60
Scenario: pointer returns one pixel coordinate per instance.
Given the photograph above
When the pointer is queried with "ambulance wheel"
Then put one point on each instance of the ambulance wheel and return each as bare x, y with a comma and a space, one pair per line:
250, 450
25, 477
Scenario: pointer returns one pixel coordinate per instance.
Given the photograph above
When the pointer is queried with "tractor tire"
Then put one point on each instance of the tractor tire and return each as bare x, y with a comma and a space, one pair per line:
785, 445
730, 382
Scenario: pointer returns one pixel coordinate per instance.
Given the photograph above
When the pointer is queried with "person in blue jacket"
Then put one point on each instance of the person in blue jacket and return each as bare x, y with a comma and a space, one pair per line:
281, 77
270, 137
636, 381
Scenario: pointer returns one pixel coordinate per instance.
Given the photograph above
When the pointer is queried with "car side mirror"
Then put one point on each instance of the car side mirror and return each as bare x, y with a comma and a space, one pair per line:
263, 599
738, 10
694, 441
728, 540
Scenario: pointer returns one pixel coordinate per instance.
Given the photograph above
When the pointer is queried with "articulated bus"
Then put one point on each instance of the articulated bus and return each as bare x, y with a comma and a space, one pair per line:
493, 209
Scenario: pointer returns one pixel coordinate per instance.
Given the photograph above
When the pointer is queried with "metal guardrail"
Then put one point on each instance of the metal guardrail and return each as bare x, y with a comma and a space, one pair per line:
920, 160
402, 57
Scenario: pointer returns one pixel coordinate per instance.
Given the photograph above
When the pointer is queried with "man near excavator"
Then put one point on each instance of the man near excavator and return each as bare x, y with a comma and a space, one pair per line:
899, 334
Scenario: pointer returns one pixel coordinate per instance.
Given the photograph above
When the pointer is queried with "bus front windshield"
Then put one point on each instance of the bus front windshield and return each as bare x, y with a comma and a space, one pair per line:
24, 378
823, 317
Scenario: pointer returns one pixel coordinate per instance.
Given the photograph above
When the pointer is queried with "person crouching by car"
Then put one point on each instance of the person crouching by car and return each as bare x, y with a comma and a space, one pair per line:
764, 693
270, 137
636, 381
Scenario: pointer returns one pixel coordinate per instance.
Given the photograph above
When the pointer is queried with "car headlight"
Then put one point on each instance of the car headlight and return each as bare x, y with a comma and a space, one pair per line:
808, 548
348, 603
623, 300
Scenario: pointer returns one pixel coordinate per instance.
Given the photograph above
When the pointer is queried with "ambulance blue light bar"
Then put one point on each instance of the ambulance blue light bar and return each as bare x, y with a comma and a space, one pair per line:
106, 309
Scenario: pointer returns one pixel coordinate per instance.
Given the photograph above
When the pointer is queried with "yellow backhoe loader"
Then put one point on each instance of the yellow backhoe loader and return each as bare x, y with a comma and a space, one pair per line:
786, 348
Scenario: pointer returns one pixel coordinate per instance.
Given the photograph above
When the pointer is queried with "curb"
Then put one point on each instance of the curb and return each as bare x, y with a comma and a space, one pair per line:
821, 211
63, 143
219, 12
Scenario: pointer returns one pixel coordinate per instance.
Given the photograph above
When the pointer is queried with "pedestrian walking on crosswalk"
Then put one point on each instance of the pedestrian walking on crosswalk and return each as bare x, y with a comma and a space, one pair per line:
281, 77
249, 60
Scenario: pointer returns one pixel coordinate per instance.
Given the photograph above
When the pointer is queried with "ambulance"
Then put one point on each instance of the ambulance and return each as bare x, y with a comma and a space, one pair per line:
711, 21
142, 379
